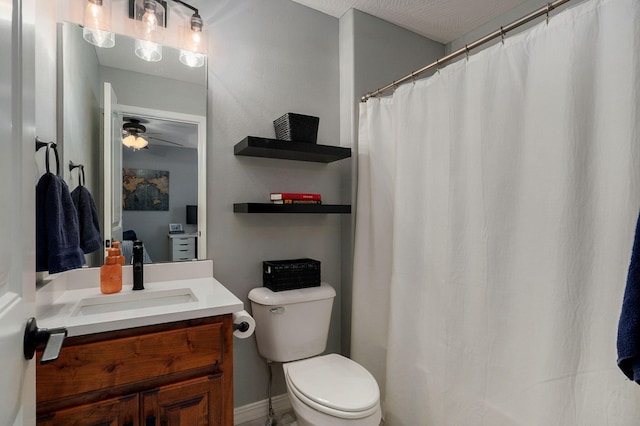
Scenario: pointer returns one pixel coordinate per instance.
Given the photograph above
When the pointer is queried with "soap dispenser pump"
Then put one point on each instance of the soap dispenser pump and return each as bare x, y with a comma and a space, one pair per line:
111, 274
117, 252
137, 261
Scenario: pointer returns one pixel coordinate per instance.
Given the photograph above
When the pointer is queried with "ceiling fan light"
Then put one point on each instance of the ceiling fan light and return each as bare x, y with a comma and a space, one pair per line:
129, 141
140, 143
135, 142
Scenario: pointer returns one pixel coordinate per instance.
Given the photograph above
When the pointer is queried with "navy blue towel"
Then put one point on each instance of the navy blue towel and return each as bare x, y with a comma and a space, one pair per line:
90, 238
57, 231
629, 325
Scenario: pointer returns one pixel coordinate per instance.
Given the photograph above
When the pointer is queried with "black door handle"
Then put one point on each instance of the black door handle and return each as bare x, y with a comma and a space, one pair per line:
150, 421
35, 337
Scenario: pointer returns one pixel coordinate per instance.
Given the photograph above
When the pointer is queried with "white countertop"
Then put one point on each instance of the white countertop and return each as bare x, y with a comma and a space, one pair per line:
173, 292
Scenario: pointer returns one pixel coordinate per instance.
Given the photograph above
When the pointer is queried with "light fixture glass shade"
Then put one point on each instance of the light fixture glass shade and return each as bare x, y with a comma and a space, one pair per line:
97, 23
191, 59
98, 37
148, 51
135, 142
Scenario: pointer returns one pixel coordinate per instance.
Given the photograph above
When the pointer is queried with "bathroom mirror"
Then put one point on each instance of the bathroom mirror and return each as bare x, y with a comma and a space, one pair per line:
103, 94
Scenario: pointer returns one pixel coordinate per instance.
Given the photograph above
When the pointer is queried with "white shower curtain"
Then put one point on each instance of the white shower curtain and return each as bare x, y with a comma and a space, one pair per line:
496, 206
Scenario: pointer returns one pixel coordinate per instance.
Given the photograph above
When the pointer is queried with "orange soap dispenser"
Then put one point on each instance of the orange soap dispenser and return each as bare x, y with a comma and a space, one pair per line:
111, 273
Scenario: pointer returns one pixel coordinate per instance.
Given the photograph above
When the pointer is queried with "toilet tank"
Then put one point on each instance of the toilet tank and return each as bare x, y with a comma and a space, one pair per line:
292, 324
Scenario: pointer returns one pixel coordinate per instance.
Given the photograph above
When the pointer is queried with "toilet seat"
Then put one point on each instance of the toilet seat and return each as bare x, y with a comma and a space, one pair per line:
334, 385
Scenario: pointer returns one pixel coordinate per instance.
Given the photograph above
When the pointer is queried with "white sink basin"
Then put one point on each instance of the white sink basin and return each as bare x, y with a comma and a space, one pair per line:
133, 301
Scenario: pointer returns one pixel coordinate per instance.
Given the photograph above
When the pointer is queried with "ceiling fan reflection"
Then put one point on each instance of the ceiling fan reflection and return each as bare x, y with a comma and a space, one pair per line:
133, 131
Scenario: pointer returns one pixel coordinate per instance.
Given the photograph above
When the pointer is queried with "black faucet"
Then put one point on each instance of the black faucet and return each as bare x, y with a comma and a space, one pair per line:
137, 261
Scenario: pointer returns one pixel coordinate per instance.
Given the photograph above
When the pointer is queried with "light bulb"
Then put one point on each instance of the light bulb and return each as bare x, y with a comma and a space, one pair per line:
93, 14
149, 18
97, 25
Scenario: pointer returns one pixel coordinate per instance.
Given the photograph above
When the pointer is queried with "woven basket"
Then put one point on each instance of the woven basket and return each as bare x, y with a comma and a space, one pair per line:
297, 128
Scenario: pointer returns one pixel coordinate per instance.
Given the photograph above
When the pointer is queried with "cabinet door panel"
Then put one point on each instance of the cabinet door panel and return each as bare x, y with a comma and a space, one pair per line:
102, 365
192, 403
111, 412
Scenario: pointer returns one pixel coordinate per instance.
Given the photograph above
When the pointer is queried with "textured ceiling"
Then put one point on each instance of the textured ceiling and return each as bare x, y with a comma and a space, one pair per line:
439, 20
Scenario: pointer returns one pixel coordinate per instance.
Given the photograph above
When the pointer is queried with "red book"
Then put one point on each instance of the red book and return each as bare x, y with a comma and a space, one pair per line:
294, 196
297, 202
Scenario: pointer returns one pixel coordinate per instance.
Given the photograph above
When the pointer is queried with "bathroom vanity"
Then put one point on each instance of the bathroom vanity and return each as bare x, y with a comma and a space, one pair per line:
160, 356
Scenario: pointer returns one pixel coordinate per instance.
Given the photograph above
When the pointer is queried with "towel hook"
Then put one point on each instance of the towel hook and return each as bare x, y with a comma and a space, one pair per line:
81, 178
40, 144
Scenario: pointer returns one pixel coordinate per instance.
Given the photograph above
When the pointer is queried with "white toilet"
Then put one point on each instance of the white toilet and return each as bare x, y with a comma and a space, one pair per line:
330, 390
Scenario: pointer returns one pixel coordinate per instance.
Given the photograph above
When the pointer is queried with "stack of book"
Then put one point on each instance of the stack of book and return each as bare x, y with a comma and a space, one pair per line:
295, 198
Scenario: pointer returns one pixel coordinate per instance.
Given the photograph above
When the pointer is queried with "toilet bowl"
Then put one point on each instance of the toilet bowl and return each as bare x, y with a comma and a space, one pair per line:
332, 390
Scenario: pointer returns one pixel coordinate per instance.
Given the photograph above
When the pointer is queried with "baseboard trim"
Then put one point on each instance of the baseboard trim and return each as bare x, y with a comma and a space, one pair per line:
259, 410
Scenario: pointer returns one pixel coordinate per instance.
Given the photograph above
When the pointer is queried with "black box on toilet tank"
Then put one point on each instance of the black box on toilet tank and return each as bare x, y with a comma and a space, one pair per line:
280, 275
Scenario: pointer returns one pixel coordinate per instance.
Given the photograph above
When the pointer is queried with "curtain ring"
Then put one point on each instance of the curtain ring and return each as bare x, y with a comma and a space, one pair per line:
413, 77
394, 85
438, 66
466, 49
502, 34
549, 9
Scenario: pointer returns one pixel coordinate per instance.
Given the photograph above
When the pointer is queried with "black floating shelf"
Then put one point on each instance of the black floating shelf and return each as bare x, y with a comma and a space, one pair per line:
285, 150
291, 208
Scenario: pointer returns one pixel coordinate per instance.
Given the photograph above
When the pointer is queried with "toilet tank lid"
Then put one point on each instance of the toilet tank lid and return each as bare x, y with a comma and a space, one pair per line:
264, 296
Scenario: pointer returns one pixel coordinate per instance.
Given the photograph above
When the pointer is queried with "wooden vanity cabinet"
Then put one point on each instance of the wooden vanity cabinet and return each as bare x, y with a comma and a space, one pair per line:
175, 374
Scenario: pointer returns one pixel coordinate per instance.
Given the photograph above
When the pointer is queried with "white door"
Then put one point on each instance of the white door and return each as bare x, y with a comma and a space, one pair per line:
17, 217
112, 167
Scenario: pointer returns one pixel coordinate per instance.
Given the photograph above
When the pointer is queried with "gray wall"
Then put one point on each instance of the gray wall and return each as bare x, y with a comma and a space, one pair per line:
152, 226
148, 91
373, 52
268, 58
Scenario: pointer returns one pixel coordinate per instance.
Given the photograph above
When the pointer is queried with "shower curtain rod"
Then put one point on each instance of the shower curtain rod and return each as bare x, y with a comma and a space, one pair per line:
465, 50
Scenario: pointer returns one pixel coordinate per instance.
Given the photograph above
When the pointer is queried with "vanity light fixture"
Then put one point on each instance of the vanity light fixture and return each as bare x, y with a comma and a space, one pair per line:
151, 18
97, 23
